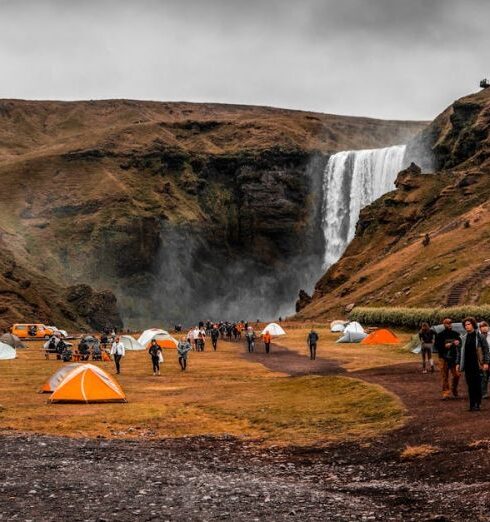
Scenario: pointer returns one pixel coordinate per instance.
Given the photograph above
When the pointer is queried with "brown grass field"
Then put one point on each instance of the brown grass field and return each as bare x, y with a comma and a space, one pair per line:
222, 392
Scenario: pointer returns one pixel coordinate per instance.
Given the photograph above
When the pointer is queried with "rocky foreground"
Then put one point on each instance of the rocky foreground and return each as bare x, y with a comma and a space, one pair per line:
46, 478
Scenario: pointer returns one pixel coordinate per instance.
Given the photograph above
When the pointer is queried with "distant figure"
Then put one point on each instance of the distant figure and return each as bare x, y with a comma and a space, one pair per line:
195, 338
267, 341
426, 240
183, 349
484, 84
280, 319
156, 355
250, 338
214, 337
118, 351
472, 359
178, 327
427, 338
447, 345
312, 341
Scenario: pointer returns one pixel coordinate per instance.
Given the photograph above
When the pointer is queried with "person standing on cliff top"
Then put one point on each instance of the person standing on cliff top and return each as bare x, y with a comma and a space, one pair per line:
118, 351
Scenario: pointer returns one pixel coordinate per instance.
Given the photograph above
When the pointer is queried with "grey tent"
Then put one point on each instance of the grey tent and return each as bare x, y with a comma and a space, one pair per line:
12, 340
352, 337
457, 327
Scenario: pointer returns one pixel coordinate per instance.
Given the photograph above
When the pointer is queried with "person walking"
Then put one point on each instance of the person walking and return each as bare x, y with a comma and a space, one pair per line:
473, 358
484, 331
447, 343
183, 349
250, 338
156, 355
312, 341
214, 337
267, 341
427, 337
118, 351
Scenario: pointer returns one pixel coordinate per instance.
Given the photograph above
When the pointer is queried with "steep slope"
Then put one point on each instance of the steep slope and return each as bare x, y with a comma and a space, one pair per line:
181, 209
388, 262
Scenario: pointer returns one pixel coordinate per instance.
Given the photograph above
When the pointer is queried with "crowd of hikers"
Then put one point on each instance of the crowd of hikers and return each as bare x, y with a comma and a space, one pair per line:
466, 353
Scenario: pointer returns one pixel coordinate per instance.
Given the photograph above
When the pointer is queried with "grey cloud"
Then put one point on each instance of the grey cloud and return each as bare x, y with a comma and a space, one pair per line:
382, 58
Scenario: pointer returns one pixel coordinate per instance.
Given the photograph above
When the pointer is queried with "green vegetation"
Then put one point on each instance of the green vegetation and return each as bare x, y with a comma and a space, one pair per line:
413, 317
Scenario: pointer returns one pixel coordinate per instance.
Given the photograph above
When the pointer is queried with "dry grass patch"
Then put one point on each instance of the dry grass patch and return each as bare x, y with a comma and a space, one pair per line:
221, 393
418, 452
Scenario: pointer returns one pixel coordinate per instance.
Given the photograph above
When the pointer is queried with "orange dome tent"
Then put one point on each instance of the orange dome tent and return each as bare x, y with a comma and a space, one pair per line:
52, 383
382, 336
88, 383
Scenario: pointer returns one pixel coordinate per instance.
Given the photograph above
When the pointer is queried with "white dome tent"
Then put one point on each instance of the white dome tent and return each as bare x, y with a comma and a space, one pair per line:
274, 329
354, 326
130, 343
150, 334
7, 352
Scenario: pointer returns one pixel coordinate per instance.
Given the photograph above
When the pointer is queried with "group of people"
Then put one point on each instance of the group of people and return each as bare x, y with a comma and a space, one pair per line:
457, 354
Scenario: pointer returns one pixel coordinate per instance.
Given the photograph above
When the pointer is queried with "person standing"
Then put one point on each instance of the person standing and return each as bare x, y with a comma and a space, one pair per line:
183, 349
250, 337
312, 341
156, 355
118, 351
484, 331
214, 337
473, 358
267, 341
427, 337
447, 343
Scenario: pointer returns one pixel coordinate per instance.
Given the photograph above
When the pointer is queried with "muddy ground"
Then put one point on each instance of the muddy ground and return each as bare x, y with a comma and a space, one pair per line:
47, 478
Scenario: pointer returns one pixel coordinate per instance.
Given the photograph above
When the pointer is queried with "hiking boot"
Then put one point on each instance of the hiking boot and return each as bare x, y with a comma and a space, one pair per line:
424, 371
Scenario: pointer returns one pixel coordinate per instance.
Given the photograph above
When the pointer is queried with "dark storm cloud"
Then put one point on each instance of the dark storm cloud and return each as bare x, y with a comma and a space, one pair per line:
385, 58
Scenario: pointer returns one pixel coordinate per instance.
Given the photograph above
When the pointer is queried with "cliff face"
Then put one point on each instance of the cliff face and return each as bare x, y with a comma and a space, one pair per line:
427, 243
181, 210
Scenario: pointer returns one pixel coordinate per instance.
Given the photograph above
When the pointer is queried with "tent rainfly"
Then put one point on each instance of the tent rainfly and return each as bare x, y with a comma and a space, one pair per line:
52, 383
381, 336
87, 383
354, 326
274, 329
145, 338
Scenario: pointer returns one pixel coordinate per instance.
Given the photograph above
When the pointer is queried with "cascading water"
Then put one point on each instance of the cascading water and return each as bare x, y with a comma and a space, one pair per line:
353, 179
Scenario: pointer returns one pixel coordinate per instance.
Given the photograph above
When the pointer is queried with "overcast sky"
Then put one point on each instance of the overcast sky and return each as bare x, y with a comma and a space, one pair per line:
403, 59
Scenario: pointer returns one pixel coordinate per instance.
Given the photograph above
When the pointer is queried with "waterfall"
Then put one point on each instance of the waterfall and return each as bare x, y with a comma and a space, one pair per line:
353, 179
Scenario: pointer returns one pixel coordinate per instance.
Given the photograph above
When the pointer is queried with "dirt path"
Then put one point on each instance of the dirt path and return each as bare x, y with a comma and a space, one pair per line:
49, 478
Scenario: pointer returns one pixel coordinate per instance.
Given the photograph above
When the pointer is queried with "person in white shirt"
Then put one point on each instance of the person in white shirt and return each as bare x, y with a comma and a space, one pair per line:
118, 351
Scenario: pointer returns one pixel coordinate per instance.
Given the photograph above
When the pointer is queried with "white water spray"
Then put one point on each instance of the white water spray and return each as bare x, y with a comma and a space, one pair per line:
352, 180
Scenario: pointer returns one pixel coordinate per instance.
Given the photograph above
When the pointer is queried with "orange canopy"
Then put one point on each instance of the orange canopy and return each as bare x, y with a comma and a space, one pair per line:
381, 336
88, 383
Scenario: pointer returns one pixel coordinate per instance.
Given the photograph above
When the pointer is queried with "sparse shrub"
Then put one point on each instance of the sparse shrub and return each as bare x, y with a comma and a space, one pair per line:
413, 317
418, 452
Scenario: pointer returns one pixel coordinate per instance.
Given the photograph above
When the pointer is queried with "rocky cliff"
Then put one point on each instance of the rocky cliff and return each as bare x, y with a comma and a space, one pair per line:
182, 210
428, 242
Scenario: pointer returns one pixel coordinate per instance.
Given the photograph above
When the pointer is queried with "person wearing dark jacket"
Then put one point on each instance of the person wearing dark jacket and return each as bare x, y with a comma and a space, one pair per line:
447, 345
250, 338
426, 336
312, 341
473, 359
214, 337
156, 356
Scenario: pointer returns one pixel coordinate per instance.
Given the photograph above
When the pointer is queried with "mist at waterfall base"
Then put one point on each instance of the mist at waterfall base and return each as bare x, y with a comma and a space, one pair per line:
351, 181
194, 282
